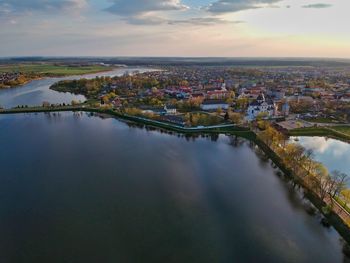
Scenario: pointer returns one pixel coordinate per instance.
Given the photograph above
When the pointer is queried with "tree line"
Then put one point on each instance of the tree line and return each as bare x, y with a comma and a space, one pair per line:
300, 161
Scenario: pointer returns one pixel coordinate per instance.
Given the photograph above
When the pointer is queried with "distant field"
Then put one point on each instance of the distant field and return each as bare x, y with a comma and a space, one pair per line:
50, 69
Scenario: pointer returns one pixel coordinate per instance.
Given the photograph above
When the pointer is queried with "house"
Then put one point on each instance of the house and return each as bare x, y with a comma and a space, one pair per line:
285, 109
197, 95
178, 120
117, 102
170, 110
345, 98
217, 94
210, 105
166, 110
277, 94
262, 105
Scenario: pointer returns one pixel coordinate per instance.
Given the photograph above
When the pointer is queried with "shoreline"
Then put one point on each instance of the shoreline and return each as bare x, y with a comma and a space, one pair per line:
334, 219
56, 76
320, 131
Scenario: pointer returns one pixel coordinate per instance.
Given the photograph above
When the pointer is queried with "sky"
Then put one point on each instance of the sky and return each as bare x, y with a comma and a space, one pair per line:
186, 28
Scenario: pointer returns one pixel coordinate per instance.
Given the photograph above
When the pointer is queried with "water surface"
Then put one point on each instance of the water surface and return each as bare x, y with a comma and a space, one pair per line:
334, 154
36, 92
79, 188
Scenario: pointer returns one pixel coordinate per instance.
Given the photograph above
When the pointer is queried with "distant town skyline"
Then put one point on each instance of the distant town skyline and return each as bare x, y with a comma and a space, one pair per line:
186, 28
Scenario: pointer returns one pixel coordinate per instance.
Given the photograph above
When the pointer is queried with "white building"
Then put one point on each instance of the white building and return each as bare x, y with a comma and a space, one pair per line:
259, 106
171, 110
210, 105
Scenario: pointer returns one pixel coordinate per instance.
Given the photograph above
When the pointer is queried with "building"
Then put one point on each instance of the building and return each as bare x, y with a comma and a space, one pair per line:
345, 98
166, 110
210, 105
262, 105
178, 120
285, 109
277, 94
117, 103
169, 109
217, 94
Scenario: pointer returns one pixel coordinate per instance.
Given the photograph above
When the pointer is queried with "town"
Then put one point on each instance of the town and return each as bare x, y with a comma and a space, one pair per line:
177, 131
293, 97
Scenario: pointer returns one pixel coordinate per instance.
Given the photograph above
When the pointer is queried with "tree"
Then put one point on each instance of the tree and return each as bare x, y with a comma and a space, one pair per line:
271, 136
345, 195
308, 160
235, 117
74, 102
323, 180
262, 115
242, 103
154, 90
338, 183
227, 117
46, 104
219, 111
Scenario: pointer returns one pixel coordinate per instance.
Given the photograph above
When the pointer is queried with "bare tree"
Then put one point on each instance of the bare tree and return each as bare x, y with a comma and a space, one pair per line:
338, 182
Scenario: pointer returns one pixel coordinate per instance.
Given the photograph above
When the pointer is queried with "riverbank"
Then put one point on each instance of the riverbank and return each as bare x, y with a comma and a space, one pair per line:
143, 188
22, 83
30, 73
333, 218
217, 129
321, 131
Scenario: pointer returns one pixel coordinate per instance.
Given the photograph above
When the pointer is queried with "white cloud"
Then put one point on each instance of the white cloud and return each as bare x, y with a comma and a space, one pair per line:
8, 7
319, 5
137, 7
146, 12
229, 6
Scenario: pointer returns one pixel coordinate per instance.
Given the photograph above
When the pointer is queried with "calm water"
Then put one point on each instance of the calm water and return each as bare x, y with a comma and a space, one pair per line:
36, 92
79, 188
334, 154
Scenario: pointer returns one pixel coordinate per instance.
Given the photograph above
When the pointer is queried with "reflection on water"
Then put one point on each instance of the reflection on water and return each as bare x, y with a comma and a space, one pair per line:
36, 92
334, 154
82, 188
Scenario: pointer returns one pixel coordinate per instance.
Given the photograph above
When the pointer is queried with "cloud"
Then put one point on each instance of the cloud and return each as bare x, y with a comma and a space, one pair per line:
230, 6
137, 7
8, 7
196, 21
145, 20
146, 12
203, 21
319, 5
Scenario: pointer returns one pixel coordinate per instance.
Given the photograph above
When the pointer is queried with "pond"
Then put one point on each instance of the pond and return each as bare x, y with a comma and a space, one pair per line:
334, 154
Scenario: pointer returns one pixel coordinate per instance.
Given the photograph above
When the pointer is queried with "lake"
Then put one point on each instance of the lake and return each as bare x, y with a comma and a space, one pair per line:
36, 92
334, 154
75, 187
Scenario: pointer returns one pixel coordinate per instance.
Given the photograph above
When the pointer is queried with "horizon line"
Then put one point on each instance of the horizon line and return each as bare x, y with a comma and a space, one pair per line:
182, 57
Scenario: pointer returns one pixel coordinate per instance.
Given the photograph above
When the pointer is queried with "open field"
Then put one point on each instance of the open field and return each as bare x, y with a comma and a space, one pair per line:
53, 69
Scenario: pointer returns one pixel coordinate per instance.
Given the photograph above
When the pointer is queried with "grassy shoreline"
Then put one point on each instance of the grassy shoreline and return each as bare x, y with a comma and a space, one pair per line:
321, 131
332, 217
239, 131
